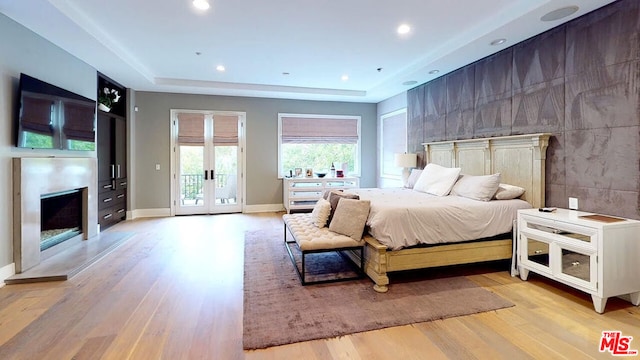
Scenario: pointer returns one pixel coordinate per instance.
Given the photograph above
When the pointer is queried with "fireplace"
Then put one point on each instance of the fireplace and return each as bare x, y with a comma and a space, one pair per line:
60, 217
39, 186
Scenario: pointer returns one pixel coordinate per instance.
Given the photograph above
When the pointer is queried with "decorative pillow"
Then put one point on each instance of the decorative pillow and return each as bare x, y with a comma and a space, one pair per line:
335, 196
327, 192
508, 192
320, 213
350, 218
413, 177
437, 180
477, 187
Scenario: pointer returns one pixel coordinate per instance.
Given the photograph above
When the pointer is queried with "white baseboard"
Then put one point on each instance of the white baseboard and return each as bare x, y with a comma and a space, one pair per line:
263, 208
7, 271
142, 213
165, 212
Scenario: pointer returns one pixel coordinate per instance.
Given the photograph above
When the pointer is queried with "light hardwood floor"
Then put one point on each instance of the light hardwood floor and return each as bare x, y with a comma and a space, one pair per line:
174, 291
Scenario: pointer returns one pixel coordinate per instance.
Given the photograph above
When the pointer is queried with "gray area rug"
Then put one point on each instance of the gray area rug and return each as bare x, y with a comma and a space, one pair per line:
279, 310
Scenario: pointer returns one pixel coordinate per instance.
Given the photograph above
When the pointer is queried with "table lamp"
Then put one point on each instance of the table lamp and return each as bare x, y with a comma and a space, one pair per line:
406, 162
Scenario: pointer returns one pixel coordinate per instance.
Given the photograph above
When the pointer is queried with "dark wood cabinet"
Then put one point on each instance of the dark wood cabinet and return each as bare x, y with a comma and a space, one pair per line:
112, 159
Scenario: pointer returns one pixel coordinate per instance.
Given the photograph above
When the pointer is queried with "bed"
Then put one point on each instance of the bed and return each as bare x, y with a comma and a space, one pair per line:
520, 159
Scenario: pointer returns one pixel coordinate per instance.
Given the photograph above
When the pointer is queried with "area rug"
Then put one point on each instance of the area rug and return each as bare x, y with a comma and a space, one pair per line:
279, 310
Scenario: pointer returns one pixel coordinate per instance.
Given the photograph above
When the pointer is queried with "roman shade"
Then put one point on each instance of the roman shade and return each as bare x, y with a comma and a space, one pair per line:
312, 130
225, 130
190, 128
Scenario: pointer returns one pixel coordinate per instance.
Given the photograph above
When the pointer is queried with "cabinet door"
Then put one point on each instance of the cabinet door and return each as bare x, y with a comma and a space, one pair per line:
104, 147
119, 127
576, 266
535, 254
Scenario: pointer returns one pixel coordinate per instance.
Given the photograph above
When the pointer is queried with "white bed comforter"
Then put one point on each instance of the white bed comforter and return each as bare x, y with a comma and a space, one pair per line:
403, 217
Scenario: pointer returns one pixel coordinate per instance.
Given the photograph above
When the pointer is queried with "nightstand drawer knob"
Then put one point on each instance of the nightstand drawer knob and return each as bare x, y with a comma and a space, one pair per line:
575, 263
538, 252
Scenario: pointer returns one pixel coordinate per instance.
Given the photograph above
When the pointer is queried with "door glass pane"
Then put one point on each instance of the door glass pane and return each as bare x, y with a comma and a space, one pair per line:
576, 265
191, 175
538, 252
226, 160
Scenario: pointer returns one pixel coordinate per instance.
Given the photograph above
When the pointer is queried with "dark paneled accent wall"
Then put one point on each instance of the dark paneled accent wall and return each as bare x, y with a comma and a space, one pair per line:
579, 81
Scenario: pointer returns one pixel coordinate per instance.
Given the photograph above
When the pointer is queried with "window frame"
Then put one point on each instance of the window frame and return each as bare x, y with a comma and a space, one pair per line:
357, 161
383, 149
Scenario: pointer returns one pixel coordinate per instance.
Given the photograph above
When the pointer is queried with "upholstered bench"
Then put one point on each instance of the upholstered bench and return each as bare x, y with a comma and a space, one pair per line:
311, 239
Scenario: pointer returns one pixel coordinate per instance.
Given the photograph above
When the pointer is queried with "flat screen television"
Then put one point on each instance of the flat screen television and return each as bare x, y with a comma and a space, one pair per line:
50, 117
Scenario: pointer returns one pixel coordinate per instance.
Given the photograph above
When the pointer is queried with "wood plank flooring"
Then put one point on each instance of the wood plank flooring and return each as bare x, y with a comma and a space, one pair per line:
174, 291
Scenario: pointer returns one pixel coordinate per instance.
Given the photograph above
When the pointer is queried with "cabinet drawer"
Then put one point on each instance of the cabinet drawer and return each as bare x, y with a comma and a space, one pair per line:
559, 231
106, 199
105, 185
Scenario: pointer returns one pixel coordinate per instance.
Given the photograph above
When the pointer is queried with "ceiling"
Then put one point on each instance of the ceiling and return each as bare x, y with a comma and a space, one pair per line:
295, 49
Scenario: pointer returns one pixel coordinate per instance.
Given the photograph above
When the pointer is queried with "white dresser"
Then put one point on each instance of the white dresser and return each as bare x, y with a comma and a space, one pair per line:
593, 253
303, 193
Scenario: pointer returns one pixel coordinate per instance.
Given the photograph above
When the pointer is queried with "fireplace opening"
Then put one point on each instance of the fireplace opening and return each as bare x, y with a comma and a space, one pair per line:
60, 217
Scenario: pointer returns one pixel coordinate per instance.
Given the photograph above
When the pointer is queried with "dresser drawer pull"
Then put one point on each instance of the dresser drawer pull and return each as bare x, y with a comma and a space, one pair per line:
124, 183
120, 211
120, 196
107, 216
538, 252
107, 200
575, 263
106, 186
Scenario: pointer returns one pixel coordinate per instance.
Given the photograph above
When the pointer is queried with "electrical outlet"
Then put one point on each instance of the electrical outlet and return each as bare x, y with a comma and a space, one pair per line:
573, 203
157, 166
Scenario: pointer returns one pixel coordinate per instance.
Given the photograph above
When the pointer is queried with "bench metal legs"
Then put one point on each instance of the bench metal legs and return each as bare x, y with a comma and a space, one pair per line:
302, 273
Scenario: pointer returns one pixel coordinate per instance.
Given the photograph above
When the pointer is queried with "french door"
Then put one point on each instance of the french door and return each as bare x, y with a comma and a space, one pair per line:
207, 171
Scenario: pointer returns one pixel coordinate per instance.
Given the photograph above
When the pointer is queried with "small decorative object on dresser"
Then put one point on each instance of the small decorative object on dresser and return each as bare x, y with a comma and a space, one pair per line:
594, 253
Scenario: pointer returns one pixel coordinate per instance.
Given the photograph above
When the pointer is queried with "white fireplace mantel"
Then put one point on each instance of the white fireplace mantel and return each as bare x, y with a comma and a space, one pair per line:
33, 177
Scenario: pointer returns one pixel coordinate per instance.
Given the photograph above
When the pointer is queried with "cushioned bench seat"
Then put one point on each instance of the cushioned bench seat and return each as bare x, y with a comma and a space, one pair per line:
311, 239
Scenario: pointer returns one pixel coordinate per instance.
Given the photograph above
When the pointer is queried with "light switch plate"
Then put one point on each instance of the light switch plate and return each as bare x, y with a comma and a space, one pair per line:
573, 203
157, 166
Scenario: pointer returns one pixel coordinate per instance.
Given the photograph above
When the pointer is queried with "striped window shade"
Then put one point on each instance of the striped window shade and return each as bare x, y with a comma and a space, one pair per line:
313, 130
225, 130
190, 128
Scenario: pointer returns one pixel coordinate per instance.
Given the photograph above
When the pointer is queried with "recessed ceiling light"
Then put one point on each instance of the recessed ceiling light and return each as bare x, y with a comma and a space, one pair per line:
559, 13
344, 77
201, 4
403, 29
498, 41
220, 68
410, 82
434, 71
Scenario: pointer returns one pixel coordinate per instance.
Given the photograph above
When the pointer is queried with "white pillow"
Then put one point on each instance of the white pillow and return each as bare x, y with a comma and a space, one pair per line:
508, 192
350, 218
320, 213
477, 187
437, 180
413, 177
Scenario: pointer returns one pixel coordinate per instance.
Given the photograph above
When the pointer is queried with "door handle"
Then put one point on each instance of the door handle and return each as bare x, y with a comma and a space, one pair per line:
118, 167
113, 171
212, 173
205, 174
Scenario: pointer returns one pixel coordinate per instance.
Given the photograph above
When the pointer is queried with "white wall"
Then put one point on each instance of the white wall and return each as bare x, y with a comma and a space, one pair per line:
25, 52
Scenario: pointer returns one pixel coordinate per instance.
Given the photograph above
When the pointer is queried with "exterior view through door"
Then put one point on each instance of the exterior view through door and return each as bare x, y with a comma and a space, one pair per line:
208, 162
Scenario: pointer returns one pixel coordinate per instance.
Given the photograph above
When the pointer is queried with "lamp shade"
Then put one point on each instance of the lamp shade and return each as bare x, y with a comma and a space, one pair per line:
406, 160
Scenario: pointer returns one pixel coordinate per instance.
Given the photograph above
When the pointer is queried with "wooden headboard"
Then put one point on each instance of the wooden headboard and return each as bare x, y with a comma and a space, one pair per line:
520, 160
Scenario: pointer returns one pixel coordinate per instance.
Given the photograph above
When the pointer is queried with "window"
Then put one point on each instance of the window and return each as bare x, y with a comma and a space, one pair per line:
394, 140
316, 141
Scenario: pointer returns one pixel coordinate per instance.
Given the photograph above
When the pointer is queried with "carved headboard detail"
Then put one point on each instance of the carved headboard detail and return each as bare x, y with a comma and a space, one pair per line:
520, 159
